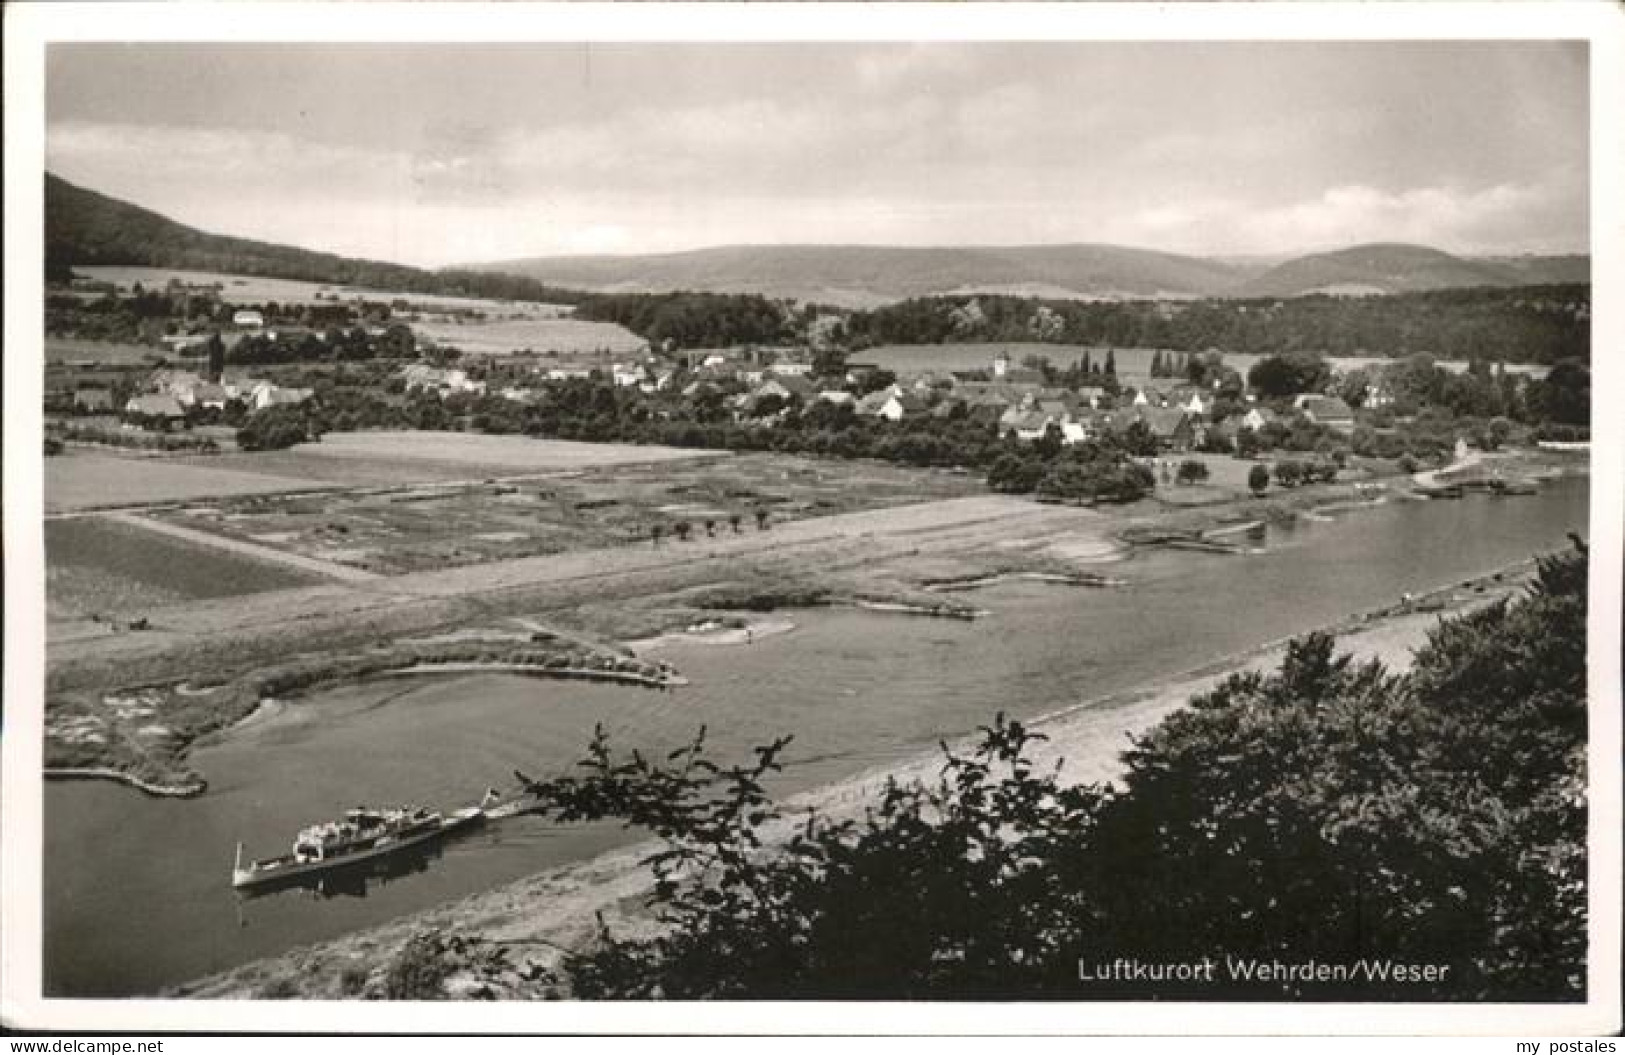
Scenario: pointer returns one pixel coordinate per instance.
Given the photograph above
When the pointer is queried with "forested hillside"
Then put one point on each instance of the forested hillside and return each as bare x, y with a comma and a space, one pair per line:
83, 227
1541, 324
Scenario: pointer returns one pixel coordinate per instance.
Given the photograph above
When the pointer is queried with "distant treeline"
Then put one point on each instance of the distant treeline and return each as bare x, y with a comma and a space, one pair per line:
1538, 324
1543, 324
83, 227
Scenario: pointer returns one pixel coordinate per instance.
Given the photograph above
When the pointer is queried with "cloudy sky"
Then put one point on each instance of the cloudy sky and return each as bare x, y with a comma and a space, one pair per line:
434, 154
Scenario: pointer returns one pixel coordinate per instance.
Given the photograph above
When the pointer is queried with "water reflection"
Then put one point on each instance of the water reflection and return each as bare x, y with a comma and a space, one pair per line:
355, 879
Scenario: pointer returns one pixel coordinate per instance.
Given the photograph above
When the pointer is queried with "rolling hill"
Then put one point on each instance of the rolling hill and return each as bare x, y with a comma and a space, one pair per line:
858, 275
85, 227
1380, 268
863, 276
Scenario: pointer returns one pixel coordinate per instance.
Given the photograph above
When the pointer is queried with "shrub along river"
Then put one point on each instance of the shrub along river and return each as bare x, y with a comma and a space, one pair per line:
137, 890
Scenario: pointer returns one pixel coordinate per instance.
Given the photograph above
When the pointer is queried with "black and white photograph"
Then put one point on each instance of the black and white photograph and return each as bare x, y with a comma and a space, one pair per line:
1020, 526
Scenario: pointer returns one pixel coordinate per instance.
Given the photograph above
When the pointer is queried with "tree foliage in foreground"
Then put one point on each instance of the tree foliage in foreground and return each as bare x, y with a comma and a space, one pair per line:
1329, 809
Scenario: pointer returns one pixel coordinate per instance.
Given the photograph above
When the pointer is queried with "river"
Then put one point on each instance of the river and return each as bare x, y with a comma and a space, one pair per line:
137, 890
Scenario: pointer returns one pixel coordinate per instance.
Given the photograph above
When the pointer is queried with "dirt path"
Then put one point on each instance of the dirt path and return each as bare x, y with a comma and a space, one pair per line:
328, 569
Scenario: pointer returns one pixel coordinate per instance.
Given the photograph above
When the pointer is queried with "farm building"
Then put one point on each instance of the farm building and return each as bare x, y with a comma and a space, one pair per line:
1326, 410
155, 405
276, 396
93, 398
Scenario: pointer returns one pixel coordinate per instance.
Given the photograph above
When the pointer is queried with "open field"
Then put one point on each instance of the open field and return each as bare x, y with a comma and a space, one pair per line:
491, 454
96, 565
108, 353
254, 630
303, 463
444, 525
251, 289
535, 334
81, 480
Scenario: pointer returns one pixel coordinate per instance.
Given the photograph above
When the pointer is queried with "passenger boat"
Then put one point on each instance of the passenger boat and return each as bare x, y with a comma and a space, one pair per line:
362, 834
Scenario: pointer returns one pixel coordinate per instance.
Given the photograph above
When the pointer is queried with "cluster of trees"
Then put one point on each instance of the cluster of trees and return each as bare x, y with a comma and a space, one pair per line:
336, 344
142, 317
1081, 373
1196, 368
696, 320
278, 427
156, 437
1279, 376
1525, 324
1330, 810
1290, 473
145, 316
1093, 471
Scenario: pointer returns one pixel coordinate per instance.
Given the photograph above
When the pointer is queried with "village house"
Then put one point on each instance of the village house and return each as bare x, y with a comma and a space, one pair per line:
702, 388
1092, 396
1014, 375
785, 388
1326, 410
626, 375
182, 343
929, 381
276, 396
93, 398
657, 380
871, 405
903, 405
1190, 399
1027, 425
793, 368
243, 388
1252, 421
247, 319
782, 389
447, 380
177, 383
1378, 395
1173, 428
156, 405
208, 394
858, 373
985, 406
1257, 417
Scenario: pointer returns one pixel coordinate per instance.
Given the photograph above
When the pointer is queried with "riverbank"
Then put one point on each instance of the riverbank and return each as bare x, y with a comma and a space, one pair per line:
185, 790
142, 735
716, 632
536, 916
